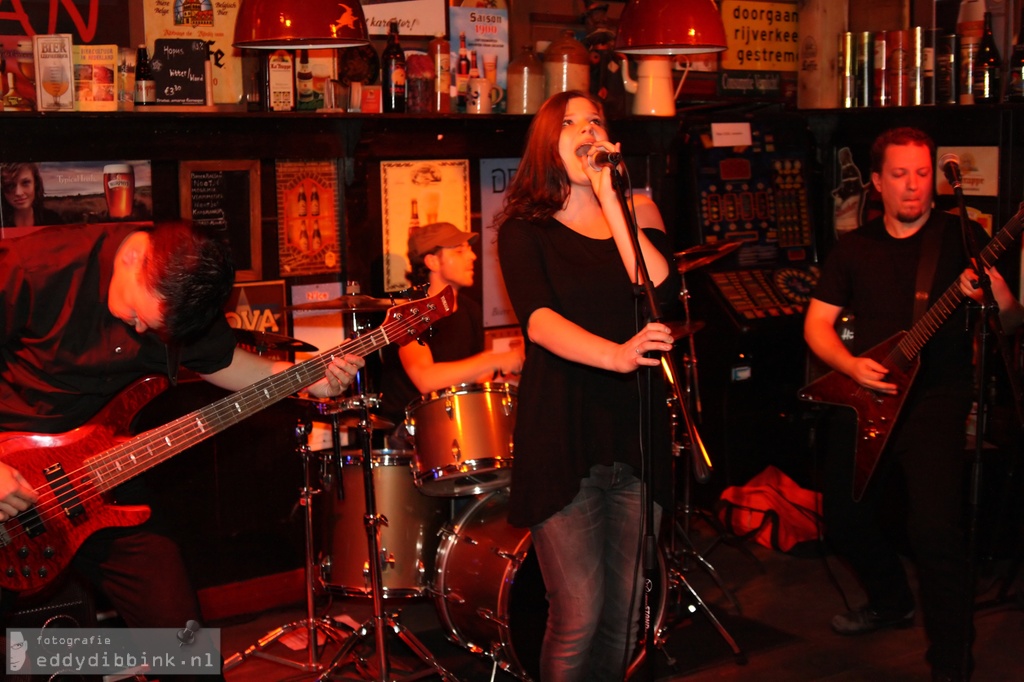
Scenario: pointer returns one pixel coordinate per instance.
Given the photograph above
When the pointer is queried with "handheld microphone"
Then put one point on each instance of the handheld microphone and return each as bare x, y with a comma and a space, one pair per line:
601, 159
950, 165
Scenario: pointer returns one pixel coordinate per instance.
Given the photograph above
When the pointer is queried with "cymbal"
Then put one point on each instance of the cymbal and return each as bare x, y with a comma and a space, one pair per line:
353, 302
703, 254
264, 341
679, 329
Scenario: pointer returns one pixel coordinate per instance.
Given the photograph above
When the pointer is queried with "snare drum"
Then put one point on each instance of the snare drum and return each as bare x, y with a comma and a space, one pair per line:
408, 541
463, 439
490, 594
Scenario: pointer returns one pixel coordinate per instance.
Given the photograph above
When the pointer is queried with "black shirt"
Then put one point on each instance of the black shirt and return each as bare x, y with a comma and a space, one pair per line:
63, 356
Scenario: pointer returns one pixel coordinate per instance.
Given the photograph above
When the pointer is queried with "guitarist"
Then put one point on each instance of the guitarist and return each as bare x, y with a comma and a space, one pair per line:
85, 311
873, 271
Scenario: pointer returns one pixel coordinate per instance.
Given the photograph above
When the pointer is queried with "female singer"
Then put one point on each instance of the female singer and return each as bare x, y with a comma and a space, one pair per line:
587, 420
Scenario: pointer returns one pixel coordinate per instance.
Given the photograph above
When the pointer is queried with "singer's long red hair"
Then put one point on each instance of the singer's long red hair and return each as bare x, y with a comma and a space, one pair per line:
541, 185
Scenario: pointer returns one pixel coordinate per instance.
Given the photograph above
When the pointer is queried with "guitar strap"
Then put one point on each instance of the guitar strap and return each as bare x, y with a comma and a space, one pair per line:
926, 264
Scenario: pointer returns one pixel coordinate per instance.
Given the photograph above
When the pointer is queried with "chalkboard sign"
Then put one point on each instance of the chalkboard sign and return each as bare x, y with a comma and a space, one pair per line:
179, 71
225, 195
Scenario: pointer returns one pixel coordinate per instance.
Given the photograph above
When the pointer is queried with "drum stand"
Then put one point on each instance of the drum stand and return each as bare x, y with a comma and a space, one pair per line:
312, 625
381, 622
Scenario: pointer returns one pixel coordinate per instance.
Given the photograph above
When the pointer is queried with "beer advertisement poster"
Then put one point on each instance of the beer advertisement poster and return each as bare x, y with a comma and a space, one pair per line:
69, 192
307, 210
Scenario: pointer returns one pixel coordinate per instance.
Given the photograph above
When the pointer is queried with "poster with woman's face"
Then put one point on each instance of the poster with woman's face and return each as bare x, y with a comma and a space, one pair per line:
33, 195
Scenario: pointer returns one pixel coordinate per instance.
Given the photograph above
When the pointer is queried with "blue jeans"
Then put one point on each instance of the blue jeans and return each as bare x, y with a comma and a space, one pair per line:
588, 556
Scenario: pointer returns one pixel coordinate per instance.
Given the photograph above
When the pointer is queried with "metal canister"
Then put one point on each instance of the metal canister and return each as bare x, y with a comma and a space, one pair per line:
879, 90
864, 54
898, 67
930, 38
847, 71
947, 69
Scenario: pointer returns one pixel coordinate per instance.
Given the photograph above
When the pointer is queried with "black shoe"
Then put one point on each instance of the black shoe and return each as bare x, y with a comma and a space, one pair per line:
869, 620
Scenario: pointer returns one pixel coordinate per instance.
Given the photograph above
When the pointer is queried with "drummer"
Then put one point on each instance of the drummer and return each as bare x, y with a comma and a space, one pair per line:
452, 353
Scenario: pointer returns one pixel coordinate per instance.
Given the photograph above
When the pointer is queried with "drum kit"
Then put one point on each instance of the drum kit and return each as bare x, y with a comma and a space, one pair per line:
480, 571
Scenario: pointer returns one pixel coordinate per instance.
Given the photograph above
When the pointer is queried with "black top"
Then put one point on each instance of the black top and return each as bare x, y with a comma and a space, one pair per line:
572, 416
63, 356
874, 275
455, 337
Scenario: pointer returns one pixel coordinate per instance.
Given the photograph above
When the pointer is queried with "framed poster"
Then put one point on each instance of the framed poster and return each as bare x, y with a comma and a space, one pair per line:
226, 195
307, 215
415, 193
416, 18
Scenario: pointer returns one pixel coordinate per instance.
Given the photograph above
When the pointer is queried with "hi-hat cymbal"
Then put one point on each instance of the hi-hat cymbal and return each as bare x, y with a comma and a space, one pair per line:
353, 302
264, 341
703, 254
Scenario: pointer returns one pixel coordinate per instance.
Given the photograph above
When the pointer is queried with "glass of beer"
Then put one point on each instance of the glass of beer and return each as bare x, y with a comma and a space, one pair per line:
119, 189
56, 83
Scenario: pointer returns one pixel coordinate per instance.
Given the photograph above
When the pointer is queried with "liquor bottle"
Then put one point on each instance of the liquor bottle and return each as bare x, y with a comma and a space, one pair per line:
462, 73
1015, 84
145, 87
393, 71
474, 71
440, 52
314, 202
987, 66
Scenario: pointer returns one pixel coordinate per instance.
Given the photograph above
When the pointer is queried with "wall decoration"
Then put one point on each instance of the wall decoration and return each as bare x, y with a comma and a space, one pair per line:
415, 193
79, 192
226, 194
416, 18
495, 177
259, 307
308, 215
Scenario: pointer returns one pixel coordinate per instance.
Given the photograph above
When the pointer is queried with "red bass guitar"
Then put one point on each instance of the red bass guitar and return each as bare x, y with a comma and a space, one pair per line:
74, 472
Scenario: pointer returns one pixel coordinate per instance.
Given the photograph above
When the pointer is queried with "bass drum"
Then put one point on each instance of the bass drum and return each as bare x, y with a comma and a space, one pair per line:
490, 594
408, 542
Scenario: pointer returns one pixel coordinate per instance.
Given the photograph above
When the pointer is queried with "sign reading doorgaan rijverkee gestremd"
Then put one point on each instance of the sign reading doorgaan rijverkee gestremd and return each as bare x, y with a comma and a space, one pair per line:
761, 35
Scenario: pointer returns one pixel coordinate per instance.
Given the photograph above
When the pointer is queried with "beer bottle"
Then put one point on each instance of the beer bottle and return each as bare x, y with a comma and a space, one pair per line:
314, 202
987, 66
1015, 85
317, 240
440, 51
462, 74
301, 201
145, 87
393, 70
414, 216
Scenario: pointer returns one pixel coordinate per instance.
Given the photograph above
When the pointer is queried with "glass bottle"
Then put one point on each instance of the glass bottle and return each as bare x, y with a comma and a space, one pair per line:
462, 72
440, 52
305, 96
566, 65
1015, 82
145, 87
317, 238
301, 201
314, 202
987, 66
525, 83
393, 72
970, 27
414, 216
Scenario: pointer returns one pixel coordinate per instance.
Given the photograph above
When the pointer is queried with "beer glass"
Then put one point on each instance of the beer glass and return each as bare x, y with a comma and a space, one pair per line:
119, 189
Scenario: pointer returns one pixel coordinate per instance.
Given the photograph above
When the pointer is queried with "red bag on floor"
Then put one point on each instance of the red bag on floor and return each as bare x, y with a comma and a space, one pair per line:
772, 510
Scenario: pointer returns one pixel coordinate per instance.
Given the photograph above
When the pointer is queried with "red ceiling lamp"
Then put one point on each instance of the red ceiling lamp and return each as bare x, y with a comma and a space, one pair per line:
295, 24
670, 27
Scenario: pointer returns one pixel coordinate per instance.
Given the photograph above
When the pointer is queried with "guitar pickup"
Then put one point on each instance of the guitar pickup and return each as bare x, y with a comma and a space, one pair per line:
65, 493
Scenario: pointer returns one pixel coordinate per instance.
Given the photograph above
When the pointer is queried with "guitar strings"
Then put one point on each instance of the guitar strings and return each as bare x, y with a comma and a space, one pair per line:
308, 371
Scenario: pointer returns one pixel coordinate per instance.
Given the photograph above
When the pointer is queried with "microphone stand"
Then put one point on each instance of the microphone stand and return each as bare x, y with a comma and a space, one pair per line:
990, 317
668, 361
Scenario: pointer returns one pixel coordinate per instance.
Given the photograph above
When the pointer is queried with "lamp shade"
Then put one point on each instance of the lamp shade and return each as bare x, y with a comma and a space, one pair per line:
293, 24
670, 27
